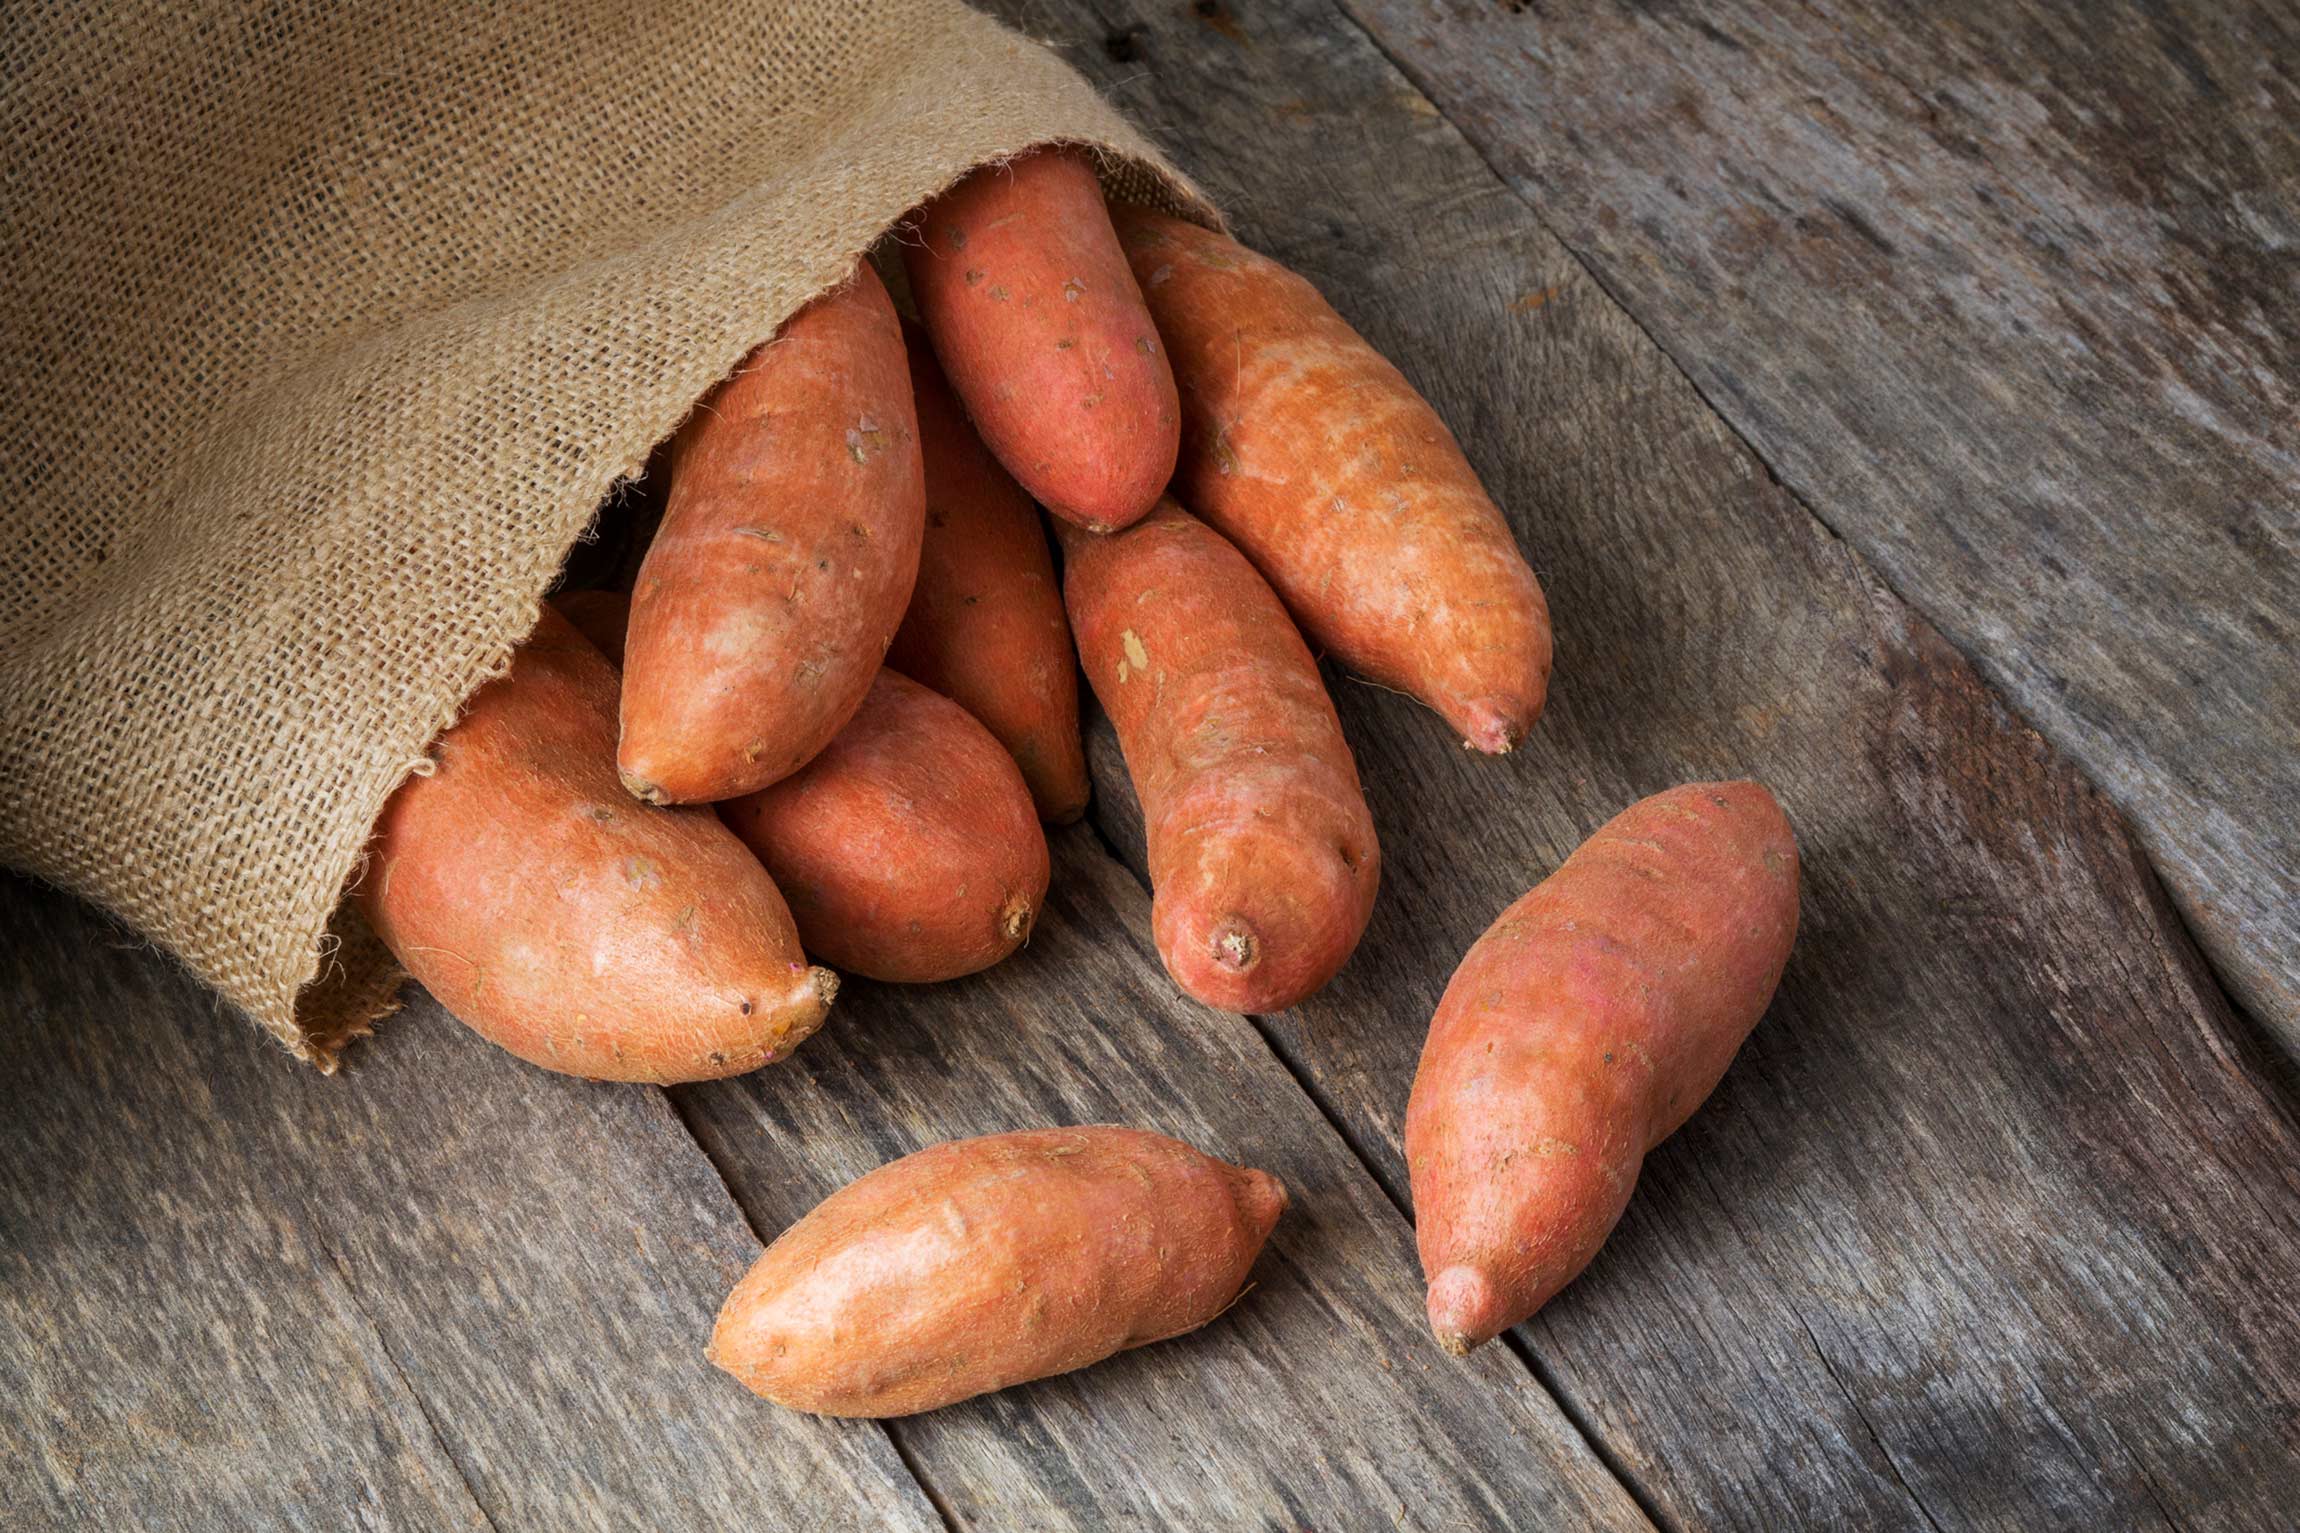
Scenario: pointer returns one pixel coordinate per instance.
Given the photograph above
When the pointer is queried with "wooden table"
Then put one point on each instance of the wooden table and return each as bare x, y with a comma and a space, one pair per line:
1899, 408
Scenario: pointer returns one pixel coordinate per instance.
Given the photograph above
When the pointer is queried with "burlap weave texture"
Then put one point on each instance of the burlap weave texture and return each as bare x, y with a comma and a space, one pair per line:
326, 327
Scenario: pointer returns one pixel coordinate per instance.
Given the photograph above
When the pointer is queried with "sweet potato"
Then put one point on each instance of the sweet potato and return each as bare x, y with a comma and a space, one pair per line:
600, 616
785, 557
582, 931
1263, 862
909, 848
1308, 450
983, 1263
985, 626
1581, 1030
1037, 320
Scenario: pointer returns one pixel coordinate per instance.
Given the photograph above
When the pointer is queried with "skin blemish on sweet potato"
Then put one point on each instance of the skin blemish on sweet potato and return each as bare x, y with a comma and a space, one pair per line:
763, 534
1073, 290
642, 872
865, 439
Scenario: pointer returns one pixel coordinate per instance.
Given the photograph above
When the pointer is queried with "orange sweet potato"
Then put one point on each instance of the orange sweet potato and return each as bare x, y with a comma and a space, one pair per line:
785, 557
985, 625
1308, 450
1039, 324
909, 848
983, 1263
1263, 862
582, 931
1581, 1030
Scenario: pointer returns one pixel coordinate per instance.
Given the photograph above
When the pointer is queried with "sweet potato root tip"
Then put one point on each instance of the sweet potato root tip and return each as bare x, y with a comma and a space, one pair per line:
1262, 1198
1235, 948
1014, 921
1491, 728
1464, 1310
639, 788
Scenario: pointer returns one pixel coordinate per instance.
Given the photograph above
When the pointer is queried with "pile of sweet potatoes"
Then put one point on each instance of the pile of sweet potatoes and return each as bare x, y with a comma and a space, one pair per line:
841, 696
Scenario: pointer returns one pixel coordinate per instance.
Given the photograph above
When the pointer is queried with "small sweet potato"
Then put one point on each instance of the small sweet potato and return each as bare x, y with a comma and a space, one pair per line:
983, 1263
557, 918
1037, 320
986, 626
1580, 1031
1263, 862
1314, 455
909, 848
784, 560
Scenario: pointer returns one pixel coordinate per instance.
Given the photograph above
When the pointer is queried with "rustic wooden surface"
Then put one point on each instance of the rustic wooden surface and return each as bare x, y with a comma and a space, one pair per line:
1995, 1223
2008, 292
439, 1291
1315, 1402
1996, 1141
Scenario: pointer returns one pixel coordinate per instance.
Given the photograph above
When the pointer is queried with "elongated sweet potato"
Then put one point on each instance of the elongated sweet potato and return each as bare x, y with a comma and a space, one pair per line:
1306, 448
986, 626
909, 848
1039, 324
1263, 862
784, 561
582, 931
1581, 1030
983, 1263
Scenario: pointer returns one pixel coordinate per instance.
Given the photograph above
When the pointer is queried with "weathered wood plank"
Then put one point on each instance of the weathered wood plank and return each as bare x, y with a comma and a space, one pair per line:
1314, 1402
1994, 1223
2008, 291
444, 1290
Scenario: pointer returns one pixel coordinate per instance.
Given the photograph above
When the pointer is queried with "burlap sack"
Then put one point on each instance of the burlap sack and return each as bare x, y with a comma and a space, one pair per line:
326, 327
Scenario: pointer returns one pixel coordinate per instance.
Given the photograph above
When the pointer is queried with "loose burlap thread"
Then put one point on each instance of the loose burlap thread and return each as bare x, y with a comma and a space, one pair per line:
327, 327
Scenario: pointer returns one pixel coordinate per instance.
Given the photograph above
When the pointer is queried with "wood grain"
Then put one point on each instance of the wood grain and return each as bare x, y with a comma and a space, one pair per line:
441, 1290
2008, 292
1318, 1400
1995, 1221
